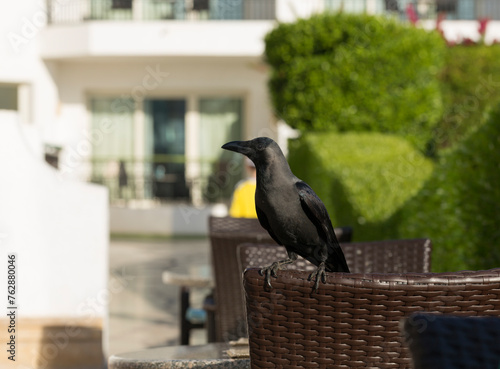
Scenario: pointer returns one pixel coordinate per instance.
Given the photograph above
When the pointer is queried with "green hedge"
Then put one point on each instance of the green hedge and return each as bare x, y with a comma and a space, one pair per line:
363, 178
385, 189
470, 83
458, 208
350, 72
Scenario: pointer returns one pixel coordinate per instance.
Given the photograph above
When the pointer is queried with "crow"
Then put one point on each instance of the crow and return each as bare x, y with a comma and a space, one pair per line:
291, 212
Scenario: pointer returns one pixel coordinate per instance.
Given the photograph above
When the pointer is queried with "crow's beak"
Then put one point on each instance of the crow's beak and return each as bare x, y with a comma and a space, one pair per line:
238, 146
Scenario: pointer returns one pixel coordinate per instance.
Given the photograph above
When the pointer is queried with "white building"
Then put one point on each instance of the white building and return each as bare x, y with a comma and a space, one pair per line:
139, 95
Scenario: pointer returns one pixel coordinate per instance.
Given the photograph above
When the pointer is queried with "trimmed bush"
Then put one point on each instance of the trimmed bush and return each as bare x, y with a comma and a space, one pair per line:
363, 178
471, 85
458, 208
350, 72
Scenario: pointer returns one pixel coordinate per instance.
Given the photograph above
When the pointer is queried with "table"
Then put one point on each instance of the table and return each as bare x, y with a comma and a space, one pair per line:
212, 355
197, 278
188, 280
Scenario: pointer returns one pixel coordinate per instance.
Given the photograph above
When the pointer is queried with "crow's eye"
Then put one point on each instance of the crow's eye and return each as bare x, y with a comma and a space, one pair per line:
260, 147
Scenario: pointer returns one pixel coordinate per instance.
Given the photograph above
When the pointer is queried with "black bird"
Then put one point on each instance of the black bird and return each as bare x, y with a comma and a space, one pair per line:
291, 211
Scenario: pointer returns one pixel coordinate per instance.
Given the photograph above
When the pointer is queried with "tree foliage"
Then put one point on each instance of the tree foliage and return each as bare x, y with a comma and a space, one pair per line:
346, 72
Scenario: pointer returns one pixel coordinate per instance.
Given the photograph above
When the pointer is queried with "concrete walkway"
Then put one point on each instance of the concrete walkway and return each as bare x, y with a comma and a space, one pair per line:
143, 311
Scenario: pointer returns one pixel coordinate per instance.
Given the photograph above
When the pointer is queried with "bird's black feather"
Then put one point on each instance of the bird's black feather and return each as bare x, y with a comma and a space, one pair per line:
317, 213
265, 224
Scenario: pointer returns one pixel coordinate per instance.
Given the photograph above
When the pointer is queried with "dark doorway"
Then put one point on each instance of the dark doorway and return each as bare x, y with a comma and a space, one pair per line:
169, 181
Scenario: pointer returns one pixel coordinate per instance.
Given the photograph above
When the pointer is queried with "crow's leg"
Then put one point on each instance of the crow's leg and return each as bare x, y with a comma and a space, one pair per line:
317, 275
277, 265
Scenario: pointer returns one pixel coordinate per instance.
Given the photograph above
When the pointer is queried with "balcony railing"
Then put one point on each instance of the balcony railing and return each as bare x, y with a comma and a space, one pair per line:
145, 10
72, 11
163, 179
452, 9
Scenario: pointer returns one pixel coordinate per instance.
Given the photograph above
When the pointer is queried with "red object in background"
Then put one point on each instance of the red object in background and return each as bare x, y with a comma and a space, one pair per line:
483, 23
411, 14
439, 20
468, 42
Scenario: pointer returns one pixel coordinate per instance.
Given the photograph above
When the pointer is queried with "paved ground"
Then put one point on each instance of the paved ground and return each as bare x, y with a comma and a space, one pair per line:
143, 311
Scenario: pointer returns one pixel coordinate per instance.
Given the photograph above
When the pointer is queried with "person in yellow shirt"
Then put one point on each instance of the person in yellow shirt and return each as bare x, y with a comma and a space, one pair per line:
243, 202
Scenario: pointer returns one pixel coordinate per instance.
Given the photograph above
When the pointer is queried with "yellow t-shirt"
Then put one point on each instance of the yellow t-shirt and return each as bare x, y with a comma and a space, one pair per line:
243, 204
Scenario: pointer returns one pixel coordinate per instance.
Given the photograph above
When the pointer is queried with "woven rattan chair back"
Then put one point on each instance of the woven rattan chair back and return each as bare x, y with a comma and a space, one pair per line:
395, 256
226, 234
235, 225
353, 320
452, 342
246, 225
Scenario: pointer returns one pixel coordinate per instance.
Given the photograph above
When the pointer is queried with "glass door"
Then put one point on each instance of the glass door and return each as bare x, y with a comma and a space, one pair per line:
220, 122
112, 138
165, 144
111, 9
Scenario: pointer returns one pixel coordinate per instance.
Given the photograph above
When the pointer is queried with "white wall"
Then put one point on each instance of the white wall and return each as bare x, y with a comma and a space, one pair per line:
166, 220
21, 24
290, 10
59, 230
155, 38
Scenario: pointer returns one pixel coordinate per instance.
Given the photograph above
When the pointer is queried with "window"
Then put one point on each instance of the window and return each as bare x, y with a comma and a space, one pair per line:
199, 5
8, 97
112, 140
391, 5
139, 150
121, 4
165, 145
112, 125
220, 122
347, 6
449, 6
16, 98
226, 9
483, 9
110, 9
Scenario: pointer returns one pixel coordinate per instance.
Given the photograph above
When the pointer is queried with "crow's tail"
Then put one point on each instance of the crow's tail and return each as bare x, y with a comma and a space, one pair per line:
336, 260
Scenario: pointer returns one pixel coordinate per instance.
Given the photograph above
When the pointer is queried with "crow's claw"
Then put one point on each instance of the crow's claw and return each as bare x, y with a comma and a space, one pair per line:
268, 279
266, 272
269, 272
318, 275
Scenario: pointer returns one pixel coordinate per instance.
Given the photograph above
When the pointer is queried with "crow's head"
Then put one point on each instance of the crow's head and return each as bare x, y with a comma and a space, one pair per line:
260, 150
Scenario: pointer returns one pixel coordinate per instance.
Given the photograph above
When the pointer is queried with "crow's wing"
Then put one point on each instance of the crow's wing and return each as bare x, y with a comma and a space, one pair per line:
317, 213
265, 224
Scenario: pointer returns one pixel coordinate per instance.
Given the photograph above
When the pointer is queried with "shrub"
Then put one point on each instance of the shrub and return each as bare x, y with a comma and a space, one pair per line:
363, 178
458, 207
350, 72
470, 85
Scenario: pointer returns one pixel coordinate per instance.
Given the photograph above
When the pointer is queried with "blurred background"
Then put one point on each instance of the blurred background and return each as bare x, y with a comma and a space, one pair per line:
113, 113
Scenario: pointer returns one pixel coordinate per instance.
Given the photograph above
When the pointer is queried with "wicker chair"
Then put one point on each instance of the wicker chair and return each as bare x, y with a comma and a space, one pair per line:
452, 342
353, 320
226, 234
252, 226
394, 256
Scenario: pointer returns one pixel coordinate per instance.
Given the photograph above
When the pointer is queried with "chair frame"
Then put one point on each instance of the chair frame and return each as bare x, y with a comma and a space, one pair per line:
389, 256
